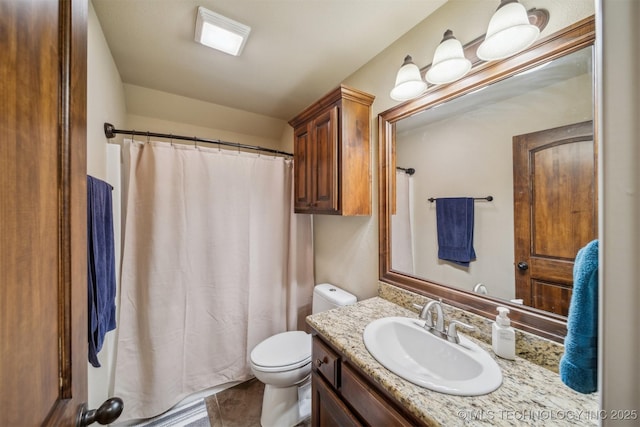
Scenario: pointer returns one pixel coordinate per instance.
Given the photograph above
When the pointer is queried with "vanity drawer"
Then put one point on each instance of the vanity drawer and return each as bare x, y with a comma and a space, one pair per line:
372, 406
325, 361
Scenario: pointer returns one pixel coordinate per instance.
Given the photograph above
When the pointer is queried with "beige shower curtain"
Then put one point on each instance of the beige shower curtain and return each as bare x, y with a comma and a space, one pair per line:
214, 261
402, 244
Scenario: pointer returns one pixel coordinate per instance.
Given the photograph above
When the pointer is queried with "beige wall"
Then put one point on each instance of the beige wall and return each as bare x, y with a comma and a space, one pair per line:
216, 121
619, 102
105, 103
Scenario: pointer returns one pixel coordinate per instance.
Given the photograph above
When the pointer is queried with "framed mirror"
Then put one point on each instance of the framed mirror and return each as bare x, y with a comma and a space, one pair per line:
517, 136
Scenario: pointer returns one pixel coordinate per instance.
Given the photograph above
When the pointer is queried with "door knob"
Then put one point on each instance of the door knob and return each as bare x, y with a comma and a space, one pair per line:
107, 413
523, 265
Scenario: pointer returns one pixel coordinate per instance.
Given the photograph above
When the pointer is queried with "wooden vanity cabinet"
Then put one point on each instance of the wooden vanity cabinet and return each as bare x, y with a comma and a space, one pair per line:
343, 396
332, 173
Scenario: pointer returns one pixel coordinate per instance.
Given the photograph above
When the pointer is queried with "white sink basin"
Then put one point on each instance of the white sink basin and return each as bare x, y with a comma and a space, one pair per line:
404, 347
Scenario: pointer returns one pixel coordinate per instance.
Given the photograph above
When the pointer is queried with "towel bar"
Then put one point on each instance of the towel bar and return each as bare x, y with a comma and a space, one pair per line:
488, 199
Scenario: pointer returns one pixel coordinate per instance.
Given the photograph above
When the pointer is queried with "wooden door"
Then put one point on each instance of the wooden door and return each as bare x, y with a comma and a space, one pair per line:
324, 178
555, 211
43, 296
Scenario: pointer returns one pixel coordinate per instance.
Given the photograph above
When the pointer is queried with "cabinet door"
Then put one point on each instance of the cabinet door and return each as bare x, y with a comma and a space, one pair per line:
368, 403
324, 176
327, 408
302, 169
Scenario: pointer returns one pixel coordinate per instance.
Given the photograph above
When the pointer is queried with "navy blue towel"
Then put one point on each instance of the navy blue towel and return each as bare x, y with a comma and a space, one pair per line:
101, 265
454, 217
579, 364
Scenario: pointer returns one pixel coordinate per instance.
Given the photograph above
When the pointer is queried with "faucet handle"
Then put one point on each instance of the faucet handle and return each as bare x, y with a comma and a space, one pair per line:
452, 332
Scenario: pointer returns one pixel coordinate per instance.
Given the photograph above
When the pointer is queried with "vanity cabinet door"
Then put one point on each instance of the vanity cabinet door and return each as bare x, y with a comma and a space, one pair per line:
327, 408
374, 409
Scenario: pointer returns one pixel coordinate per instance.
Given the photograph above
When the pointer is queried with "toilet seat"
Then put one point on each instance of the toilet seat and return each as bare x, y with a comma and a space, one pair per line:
282, 352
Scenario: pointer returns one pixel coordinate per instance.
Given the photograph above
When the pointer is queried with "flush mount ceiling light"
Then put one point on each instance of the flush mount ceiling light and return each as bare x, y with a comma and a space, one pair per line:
409, 83
509, 32
219, 32
449, 63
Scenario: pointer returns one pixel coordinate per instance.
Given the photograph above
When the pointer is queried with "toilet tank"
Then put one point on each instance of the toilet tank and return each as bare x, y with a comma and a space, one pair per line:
327, 296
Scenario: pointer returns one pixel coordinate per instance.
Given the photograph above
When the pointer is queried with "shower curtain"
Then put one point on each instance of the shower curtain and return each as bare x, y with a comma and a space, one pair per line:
402, 245
214, 261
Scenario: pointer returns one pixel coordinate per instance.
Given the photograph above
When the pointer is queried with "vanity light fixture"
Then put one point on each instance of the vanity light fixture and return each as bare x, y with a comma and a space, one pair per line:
219, 32
449, 63
509, 32
409, 83
512, 29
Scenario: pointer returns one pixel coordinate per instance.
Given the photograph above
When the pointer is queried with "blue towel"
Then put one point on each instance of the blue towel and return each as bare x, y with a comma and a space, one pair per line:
101, 265
454, 217
579, 364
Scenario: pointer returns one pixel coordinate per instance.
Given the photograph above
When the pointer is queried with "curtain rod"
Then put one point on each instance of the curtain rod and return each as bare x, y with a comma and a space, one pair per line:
110, 132
488, 199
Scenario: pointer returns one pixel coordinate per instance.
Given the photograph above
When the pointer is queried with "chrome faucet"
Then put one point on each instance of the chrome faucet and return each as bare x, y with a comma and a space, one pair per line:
427, 315
437, 328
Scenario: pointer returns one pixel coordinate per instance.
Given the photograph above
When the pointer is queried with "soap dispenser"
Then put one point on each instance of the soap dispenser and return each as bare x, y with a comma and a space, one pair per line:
503, 336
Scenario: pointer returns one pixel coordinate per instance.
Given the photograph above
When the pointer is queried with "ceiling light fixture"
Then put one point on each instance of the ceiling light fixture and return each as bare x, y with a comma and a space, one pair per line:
409, 83
219, 32
449, 63
509, 32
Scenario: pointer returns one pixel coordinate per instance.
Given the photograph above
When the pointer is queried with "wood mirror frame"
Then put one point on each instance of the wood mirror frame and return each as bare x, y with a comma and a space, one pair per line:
568, 40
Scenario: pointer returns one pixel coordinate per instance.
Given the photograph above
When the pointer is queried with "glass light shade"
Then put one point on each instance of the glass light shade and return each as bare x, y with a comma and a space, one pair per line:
509, 32
409, 83
449, 63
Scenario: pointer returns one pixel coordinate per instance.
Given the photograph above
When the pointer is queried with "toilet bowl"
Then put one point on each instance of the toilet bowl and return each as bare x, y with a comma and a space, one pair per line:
283, 363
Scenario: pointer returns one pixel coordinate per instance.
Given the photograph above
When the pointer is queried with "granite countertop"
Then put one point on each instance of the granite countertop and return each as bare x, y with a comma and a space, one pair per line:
529, 395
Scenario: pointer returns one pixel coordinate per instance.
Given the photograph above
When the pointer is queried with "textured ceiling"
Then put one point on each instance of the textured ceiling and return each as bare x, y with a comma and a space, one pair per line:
297, 50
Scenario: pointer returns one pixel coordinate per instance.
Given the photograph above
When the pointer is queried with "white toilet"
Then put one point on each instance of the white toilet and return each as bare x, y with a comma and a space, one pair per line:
283, 363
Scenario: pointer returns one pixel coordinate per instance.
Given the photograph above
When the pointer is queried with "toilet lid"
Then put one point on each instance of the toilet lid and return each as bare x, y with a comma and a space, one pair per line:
287, 349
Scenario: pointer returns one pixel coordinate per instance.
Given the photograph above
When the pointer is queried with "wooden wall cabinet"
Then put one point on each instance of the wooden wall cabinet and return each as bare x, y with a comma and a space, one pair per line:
344, 396
332, 156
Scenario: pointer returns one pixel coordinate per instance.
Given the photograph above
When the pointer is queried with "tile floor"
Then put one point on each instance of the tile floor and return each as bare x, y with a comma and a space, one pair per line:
238, 406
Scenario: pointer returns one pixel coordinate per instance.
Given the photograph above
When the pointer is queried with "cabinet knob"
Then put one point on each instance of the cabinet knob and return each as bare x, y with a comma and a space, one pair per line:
320, 362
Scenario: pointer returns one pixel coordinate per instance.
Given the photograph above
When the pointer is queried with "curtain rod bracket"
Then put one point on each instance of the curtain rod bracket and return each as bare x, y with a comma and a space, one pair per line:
108, 130
408, 171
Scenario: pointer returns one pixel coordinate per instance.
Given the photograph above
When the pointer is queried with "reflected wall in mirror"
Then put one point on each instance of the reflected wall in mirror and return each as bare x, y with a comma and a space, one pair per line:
477, 138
